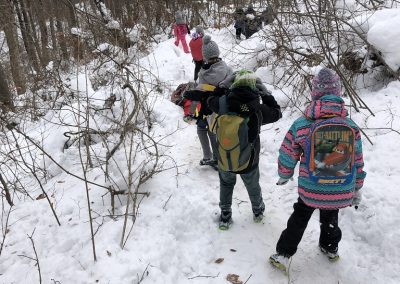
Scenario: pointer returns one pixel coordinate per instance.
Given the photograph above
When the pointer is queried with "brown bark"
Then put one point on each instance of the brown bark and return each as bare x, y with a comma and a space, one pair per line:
44, 34
26, 36
53, 35
26, 8
72, 21
8, 23
6, 102
61, 40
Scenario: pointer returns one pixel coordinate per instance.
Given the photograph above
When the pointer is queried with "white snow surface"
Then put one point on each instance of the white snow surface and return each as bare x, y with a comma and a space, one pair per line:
175, 238
384, 34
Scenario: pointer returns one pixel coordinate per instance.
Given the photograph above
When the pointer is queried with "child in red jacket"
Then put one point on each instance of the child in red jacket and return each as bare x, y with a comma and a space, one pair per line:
181, 29
195, 45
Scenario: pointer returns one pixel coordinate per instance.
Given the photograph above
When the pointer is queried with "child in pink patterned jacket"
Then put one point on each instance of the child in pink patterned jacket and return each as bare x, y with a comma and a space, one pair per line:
328, 198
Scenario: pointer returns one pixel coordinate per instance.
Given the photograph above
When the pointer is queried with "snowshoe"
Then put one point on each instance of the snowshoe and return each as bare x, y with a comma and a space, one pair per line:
281, 262
332, 256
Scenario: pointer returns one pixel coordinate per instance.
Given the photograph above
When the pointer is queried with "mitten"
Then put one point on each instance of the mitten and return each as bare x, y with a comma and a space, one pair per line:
282, 181
357, 198
270, 101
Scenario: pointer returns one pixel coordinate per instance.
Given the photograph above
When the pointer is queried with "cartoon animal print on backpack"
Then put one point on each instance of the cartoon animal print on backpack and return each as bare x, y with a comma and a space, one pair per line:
330, 147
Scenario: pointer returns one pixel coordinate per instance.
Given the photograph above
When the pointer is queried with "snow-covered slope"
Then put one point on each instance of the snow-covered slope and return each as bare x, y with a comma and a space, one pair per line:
176, 240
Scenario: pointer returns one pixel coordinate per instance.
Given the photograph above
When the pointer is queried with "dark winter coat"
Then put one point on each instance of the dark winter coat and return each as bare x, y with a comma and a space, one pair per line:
239, 19
260, 113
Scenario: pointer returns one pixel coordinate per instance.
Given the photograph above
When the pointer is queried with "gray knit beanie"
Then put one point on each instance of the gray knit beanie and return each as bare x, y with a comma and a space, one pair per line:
210, 48
200, 30
179, 17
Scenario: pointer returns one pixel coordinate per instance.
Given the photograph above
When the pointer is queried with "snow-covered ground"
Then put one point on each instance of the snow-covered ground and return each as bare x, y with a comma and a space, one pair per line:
176, 240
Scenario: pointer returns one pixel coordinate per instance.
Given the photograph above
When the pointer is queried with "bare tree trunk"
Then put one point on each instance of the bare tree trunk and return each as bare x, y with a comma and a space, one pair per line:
72, 21
61, 40
28, 41
53, 36
26, 9
6, 102
44, 34
8, 22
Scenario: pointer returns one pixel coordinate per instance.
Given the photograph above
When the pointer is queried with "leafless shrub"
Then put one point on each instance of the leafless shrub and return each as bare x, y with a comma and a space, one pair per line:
312, 33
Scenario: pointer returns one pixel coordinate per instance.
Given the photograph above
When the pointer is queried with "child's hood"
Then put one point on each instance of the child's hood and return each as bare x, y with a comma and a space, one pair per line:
326, 107
216, 73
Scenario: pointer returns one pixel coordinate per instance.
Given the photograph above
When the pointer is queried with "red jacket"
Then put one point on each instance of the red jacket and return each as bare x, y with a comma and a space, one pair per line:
196, 47
180, 30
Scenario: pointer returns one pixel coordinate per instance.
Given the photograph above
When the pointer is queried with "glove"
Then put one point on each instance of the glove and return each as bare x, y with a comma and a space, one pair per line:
357, 198
188, 119
282, 181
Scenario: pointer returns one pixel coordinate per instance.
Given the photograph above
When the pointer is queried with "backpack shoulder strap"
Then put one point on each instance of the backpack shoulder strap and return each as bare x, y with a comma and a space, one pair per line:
223, 107
206, 87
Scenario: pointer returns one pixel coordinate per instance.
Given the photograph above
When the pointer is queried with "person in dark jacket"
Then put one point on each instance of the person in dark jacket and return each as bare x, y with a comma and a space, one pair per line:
239, 22
251, 22
243, 97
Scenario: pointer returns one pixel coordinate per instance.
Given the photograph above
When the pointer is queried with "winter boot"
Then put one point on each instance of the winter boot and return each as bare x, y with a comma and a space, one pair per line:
258, 213
225, 220
280, 261
332, 256
258, 217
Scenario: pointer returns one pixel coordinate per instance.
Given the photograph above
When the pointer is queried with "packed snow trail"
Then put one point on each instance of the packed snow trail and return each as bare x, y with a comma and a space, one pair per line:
175, 238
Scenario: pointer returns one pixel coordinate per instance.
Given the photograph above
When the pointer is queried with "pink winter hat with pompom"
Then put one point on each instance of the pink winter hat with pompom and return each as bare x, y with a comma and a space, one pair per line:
326, 82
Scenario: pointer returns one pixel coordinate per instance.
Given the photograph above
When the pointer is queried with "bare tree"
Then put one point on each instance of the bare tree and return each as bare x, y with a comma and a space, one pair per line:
6, 102
7, 23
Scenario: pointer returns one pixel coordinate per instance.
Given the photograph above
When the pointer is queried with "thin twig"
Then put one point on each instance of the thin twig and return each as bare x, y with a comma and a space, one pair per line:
248, 279
33, 171
6, 190
37, 258
5, 230
204, 276
165, 204
142, 277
